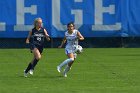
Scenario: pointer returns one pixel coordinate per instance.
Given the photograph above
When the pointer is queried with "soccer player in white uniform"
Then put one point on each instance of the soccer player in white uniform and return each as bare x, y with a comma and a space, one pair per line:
71, 36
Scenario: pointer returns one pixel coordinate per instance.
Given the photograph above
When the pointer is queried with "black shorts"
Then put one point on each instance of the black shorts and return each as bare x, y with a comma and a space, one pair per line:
39, 47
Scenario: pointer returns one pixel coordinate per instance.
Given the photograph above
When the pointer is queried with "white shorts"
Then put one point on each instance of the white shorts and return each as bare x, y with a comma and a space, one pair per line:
68, 51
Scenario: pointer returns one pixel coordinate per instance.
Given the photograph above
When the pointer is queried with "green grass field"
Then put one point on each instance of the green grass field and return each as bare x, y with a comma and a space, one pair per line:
97, 70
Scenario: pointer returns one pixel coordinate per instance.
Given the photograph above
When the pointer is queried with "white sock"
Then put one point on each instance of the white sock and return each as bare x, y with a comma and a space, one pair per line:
67, 69
66, 62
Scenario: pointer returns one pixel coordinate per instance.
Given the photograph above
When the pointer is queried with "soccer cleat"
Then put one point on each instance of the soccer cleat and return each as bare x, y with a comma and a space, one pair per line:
58, 69
31, 72
25, 74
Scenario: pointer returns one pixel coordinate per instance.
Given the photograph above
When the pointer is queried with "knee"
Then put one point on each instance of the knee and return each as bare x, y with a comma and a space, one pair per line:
72, 59
38, 57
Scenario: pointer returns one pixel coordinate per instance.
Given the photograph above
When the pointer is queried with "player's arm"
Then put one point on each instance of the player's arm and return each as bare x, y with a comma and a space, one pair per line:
46, 35
79, 36
28, 38
62, 43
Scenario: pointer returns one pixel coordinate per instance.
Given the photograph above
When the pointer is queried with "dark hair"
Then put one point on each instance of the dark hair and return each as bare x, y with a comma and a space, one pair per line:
70, 23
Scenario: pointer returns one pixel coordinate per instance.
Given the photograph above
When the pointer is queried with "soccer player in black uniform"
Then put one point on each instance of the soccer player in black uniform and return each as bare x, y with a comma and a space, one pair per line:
36, 40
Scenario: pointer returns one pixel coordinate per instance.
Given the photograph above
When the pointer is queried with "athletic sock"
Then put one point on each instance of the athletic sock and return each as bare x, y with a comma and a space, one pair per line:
67, 68
66, 62
28, 68
35, 61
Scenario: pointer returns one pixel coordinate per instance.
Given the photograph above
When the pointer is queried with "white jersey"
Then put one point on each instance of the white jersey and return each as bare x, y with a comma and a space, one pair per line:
71, 39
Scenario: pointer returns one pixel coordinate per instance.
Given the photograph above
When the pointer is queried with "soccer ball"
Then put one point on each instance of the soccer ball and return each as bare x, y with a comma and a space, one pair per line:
78, 49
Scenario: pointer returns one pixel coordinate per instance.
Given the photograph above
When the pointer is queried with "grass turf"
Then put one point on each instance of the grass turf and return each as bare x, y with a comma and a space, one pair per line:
97, 70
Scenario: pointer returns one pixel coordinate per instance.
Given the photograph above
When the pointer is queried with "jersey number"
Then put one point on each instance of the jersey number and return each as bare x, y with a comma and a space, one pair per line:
39, 38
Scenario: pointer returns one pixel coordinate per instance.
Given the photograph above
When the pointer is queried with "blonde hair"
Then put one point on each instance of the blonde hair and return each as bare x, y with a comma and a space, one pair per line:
36, 20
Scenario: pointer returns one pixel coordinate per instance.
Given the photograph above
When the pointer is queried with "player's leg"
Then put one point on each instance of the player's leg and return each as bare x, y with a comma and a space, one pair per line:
37, 57
65, 62
68, 66
33, 63
28, 68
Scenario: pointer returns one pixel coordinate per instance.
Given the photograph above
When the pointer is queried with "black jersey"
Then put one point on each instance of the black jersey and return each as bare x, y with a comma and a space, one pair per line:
38, 36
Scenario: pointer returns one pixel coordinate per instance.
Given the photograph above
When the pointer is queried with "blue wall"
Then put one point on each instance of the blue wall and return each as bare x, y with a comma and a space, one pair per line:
93, 18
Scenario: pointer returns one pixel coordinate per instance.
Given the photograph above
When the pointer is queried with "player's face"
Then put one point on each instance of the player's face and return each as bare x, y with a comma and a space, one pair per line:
71, 27
39, 23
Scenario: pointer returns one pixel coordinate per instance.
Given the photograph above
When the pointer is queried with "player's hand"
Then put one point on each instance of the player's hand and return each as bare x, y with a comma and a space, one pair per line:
27, 41
48, 39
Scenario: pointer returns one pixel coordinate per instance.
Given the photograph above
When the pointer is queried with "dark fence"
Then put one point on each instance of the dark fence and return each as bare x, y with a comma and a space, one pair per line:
104, 42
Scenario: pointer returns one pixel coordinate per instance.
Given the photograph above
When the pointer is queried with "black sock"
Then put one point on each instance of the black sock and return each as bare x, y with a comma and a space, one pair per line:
34, 63
28, 68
